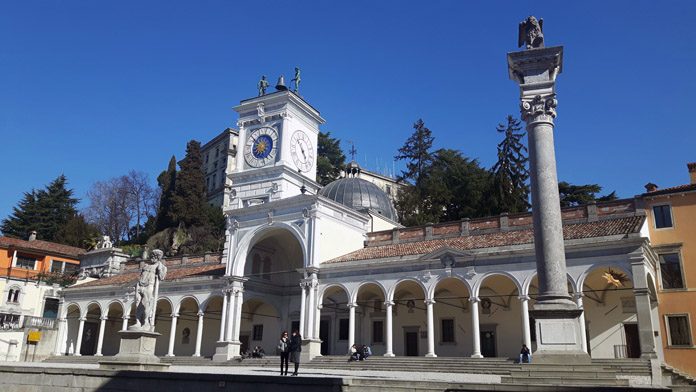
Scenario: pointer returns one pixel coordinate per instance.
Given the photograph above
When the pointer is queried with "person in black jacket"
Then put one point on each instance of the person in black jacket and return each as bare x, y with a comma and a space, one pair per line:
295, 348
284, 350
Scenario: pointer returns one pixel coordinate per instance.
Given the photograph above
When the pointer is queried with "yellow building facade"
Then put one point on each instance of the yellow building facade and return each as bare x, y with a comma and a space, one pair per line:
672, 224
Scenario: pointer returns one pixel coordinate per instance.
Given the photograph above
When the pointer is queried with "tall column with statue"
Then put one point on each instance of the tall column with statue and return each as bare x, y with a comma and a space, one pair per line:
556, 315
137, 348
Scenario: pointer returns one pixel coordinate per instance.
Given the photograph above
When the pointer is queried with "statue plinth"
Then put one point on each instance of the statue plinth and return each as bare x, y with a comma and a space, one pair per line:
136, 352
558, 336
224, 351
311, 348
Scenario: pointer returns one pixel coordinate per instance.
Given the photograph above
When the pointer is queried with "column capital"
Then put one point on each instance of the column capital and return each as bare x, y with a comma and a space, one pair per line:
577, 296
474, 299
388, 303
429, 301
104, 318
641, 291
540, 108
62, 319
320, 306
125, 317
175, 315
200, 314
523, 298
352, 305
82, 319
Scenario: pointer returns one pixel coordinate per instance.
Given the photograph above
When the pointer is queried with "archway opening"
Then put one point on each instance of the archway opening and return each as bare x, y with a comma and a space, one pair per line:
371, 315
409, 332
261, 326
90, 331
114, 323
163, 325
452, 315
610, 313
212, 318
72, 315
334, 322
500, 317
186, 327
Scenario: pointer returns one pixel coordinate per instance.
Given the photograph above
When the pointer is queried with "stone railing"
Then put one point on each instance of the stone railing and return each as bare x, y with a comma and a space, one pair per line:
39, 322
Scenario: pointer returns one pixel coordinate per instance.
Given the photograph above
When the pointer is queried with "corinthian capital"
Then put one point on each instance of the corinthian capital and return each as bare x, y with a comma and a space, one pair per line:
539, 108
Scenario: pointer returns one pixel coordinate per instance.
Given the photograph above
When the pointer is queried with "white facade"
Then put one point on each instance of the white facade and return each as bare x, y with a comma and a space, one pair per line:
218, 162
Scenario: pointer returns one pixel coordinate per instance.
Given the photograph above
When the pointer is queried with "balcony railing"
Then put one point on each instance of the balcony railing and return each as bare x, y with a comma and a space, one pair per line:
39, 322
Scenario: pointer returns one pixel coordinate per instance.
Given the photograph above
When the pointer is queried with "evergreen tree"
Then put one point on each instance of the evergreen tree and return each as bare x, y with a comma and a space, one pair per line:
77, 232
573, 195
416, 152
458, 187
189, 201
414, 205
510, 174
330, 158
45, 211
25, 217
167, 184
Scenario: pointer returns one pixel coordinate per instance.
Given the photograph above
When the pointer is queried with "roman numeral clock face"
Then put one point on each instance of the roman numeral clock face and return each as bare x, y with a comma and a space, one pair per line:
302, 151
261, 147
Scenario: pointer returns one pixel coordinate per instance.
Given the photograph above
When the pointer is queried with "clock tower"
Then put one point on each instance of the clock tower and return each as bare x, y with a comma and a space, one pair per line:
277, 149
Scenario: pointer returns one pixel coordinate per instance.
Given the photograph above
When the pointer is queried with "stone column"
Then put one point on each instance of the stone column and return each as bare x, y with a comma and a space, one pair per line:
199, 335
311, 309
583, 332
60, 339
223, 318
238, 302
556, 315
351, 324
231, 306
317, 322
303, 311
172, 335
124, 324
526, 333
389, 338
100, 339
643, 308
80, 331
475, 331
431, 328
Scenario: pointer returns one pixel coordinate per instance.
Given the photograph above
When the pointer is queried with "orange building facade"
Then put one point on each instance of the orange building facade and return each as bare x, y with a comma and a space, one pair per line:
28, 269
672, 224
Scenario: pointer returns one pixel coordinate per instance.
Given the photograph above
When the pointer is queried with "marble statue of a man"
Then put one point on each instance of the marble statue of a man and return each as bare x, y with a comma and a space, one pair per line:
151, 272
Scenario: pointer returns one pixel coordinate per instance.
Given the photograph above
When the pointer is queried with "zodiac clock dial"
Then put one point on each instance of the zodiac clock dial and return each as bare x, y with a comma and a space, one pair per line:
261, 147
302, 151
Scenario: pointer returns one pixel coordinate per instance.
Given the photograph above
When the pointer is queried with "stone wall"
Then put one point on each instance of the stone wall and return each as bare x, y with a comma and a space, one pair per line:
20, 379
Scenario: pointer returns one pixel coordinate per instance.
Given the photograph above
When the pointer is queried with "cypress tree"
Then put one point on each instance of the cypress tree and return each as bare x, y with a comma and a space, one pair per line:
167, 184
189, 199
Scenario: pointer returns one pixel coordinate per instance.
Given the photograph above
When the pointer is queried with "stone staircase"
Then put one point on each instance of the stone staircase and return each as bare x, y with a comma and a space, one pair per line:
678, 380
600, 373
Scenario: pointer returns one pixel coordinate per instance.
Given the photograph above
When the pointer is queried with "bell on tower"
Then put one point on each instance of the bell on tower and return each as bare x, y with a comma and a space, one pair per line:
281, 84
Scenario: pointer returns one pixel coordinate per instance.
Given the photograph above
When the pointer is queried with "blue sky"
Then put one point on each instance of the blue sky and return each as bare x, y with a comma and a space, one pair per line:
95, 89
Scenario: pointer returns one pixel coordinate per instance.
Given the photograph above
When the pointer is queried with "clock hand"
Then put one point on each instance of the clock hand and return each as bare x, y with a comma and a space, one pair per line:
303, 153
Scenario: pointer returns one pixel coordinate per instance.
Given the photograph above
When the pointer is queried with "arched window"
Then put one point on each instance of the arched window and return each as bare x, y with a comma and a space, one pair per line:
9, 295
13, 295
16, 296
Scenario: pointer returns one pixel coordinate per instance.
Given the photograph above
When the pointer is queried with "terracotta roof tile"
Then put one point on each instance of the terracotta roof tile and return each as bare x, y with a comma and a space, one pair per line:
173, 273
674, 189
600, 228
42, 247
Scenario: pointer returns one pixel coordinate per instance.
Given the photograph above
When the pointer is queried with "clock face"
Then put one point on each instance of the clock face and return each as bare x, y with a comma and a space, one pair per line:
261, 147
302, 151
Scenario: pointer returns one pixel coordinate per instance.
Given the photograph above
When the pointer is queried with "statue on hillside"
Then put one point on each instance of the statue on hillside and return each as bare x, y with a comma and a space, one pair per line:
262, 85
531, 33
147, 288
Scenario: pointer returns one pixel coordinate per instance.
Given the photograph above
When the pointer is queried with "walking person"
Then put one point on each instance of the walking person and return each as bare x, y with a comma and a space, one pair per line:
295, 348
284, 351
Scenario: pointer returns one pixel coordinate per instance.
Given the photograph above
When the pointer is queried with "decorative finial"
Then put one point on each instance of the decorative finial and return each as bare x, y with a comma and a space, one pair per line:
281, 84
262, 85
531, 33
296, 80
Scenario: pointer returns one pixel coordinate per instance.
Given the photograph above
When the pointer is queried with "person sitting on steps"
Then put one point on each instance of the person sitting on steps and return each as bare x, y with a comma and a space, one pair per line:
525, 354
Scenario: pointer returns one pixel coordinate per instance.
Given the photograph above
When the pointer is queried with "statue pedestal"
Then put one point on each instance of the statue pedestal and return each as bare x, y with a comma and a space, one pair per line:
559, 336
137, 352
224, 351
311, 348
